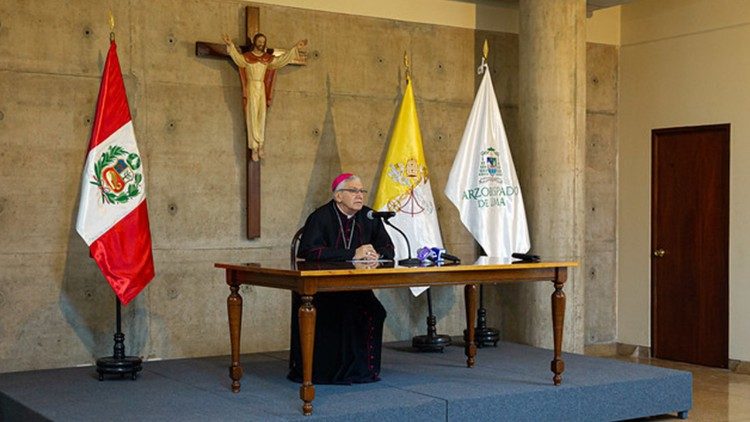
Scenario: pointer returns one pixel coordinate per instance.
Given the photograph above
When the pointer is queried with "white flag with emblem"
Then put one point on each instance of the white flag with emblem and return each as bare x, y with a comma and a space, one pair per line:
482, 183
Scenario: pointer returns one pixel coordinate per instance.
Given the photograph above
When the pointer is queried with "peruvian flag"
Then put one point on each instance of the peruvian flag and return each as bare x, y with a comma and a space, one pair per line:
112, 213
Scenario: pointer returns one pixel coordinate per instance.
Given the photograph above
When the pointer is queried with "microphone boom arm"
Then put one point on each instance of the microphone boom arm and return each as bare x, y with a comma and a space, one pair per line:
409, 262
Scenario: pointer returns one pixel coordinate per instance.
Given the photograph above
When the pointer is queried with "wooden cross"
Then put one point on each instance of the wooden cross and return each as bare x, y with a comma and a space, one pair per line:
207, 49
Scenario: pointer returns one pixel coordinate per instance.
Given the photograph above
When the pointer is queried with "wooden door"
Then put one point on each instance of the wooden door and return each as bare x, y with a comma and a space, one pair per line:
690, 244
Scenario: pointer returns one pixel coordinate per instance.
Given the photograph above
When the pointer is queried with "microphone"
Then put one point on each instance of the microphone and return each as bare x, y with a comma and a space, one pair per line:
437, 255
443, 255
380, 214
525, 257
426, 254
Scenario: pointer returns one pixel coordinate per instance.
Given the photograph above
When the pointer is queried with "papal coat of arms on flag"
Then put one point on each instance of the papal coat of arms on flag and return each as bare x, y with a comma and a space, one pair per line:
404, 186
410, 175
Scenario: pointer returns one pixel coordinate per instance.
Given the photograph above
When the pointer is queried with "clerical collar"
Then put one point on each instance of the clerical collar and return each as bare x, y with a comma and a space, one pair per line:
338, 208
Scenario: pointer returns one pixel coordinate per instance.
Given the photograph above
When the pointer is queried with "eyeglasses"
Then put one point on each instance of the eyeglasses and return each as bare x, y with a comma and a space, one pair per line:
355, 191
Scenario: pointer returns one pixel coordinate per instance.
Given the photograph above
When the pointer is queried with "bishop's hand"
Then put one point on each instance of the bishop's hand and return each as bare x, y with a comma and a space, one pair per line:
366, 252
301, 44
227, 40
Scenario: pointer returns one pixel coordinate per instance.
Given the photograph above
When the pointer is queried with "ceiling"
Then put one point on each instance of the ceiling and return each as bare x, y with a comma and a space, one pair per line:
591, 5
603, 4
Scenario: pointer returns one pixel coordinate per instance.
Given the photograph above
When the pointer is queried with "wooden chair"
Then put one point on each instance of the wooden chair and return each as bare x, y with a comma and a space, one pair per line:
293, 265
293, 247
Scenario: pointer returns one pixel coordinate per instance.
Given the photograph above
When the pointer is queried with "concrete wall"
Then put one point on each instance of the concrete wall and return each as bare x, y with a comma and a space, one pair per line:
334, 114
601, 200
683, 63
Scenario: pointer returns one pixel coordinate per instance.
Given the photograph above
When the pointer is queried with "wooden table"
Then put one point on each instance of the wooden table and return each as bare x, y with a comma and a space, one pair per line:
309, 278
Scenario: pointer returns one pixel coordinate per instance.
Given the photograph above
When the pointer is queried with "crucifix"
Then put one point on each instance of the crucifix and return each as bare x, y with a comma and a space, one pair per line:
257, 72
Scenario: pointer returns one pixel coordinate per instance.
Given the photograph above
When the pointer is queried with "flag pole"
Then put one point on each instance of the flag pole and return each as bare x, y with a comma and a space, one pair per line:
407, 72
111, 26
431, 342
483, 335
118, 363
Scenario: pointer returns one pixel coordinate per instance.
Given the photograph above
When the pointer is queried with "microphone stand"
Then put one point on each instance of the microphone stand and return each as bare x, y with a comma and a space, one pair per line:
408, 262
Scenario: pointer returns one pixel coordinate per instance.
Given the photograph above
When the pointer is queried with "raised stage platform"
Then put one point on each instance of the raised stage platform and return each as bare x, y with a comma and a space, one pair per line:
511, 382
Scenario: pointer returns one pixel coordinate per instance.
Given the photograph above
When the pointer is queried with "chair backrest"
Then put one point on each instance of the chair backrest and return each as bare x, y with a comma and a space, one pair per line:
293, 247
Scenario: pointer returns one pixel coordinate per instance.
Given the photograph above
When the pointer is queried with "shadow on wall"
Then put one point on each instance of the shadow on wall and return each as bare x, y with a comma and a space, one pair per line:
87, 303
407, 314
326, 166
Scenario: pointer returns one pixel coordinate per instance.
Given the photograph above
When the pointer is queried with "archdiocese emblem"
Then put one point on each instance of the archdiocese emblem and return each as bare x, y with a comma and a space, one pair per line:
116, 175
488, 167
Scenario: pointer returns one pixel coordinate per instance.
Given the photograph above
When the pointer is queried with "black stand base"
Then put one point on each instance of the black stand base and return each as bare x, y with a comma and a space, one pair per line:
118, 363
432, 342
111, 365
486, 336
410, 262
483, 335
428, 343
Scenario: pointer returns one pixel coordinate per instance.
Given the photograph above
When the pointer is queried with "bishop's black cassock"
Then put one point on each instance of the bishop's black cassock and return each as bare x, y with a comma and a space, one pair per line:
349, 325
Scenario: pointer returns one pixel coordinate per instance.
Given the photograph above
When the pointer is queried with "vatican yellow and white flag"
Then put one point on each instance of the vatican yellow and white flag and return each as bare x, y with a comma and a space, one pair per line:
404, 186
482, 183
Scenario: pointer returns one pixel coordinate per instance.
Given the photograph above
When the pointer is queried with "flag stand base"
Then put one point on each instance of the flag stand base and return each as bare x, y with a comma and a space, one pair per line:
432, 342
483, 335
118, 363
486, 336
112, 365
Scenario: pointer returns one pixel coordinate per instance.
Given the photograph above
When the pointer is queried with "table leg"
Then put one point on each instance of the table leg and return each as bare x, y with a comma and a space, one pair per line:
306, 315
234, 310
558, 321
470, 297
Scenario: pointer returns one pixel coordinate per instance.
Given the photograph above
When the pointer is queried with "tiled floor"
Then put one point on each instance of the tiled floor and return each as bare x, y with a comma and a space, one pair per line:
718, 394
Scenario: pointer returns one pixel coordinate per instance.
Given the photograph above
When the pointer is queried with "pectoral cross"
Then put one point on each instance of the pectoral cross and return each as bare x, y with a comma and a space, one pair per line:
207, 49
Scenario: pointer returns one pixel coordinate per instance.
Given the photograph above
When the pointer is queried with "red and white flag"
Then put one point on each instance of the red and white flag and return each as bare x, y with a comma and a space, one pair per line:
112, 213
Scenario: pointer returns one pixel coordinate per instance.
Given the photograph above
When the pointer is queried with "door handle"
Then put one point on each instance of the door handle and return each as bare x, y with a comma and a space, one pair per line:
659, 253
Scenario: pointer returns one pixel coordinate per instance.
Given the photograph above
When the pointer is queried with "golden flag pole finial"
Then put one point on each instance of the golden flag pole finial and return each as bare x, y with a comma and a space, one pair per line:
111, 26
485, 49
406, 65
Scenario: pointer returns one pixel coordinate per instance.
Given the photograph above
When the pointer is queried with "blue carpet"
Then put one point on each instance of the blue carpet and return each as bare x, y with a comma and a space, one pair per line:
511, 382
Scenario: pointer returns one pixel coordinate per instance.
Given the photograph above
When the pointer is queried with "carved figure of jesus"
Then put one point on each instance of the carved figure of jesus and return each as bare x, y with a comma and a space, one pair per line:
257, 69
